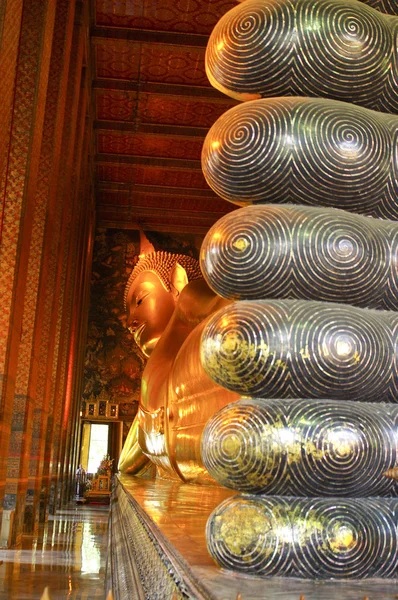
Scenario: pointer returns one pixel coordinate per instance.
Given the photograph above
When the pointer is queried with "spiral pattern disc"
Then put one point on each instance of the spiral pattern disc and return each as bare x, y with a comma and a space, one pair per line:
339, 48
241, 448
303, 448
304, 151
243, 533
300, 349
308, 538
269, 251
346, 538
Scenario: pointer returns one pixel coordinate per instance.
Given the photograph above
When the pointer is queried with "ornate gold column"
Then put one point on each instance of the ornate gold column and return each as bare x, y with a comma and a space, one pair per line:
58, 304
48, 220
20, 179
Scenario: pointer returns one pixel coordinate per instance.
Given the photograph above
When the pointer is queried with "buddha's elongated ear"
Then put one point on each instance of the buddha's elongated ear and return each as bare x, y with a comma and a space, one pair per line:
145, 245
178, 279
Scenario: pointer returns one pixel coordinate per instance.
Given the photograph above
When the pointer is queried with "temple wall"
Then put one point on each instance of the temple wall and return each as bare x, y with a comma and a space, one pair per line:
45, 253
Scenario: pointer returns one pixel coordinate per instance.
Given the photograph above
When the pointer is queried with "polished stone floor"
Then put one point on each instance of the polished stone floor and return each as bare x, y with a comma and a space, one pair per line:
68, 556
180, 512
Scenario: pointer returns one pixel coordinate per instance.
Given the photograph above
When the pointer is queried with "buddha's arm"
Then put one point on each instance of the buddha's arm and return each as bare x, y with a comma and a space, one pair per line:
132, 459
192, 399
196, 302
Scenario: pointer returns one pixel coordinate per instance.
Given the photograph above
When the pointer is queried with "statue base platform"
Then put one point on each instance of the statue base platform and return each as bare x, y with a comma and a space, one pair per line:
157, 550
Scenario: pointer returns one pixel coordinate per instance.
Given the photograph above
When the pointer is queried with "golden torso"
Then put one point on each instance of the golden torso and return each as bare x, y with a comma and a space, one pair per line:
177, 397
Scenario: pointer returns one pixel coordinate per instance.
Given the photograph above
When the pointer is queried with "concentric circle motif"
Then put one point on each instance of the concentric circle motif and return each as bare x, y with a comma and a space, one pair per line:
249, 46
384, 6
270, 251
345, 538
300, 349
302, 448
304, 151
246, 533
241, 448
319, 451
392, 318
309, 538
339, 48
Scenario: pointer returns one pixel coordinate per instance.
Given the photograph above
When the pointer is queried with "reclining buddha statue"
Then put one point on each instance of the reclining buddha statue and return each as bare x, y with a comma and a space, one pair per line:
166, 300
278, 375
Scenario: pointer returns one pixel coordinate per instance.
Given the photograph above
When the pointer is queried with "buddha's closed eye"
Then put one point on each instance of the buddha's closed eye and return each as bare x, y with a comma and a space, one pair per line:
140, 299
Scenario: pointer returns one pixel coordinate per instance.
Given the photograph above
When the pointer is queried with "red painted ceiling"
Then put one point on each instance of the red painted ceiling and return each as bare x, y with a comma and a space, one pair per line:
153, 108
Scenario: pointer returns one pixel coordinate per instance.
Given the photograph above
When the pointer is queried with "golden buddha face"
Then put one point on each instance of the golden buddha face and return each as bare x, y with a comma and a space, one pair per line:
152, 292
149, 308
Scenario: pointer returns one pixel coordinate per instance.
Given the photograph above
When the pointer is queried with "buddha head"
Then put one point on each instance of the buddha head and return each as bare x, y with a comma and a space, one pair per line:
152, 291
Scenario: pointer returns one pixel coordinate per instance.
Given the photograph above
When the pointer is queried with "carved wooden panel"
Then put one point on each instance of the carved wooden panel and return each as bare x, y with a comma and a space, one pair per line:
114, 142
114, 198
153, 94
191, 16
122, 59
115, 105
173, 64
177, 110
151, 176
117, 59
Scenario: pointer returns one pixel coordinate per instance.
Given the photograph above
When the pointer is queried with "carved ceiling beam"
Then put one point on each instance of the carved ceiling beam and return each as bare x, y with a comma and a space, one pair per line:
189, 228
152, 161
156, 189
147, 36
155, 212
152, 128
166, 89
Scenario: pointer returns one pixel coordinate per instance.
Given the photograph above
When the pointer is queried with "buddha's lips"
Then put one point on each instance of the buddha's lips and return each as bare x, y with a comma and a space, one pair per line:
138, 332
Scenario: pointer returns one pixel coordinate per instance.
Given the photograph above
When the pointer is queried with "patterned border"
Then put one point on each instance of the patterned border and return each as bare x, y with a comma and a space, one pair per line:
141, 563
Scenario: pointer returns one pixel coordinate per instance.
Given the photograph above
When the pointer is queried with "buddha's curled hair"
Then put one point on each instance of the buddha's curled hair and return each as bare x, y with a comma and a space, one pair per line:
162, 263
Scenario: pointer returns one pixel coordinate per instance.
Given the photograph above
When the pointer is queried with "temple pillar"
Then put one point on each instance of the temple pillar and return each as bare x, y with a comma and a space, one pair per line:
58, 358
63, 376
10, 19
20, 180
47, 220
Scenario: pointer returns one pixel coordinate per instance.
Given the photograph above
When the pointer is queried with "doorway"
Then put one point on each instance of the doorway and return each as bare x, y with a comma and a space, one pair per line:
94, 445
99, 440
